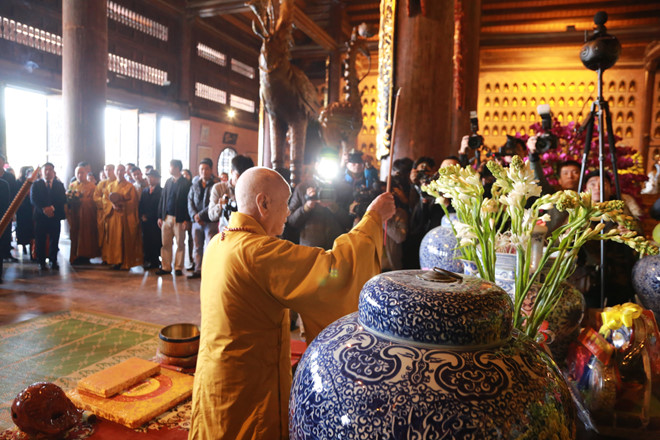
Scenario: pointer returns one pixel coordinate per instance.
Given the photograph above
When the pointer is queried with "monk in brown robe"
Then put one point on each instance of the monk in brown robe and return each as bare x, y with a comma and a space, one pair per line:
104, 188
122, 246
81, 215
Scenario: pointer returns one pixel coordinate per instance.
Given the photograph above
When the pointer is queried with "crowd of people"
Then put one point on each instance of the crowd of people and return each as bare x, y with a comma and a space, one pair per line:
128, 219
322, 209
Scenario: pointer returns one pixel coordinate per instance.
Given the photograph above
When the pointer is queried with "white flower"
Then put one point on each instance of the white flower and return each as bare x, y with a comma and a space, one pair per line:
513, 199
465, 233
489, 206
519, 241
473, 180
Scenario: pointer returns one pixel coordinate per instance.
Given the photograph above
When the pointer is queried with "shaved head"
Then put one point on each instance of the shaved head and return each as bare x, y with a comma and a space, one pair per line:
263, 194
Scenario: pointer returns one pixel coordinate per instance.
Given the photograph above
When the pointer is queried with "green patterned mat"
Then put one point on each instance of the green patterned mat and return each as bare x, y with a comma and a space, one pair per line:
64, 347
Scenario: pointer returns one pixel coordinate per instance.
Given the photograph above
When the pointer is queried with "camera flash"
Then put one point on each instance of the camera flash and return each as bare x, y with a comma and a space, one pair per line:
543, 109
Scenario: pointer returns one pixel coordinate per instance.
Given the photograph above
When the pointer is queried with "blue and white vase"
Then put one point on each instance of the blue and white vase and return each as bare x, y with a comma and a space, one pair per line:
505, 272
646, 282
438, 248
428, 356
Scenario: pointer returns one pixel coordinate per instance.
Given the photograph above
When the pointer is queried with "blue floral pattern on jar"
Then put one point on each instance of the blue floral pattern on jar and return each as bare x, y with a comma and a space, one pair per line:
420, 377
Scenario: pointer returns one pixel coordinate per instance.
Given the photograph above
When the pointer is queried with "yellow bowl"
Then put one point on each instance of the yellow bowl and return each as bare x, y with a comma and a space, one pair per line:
179, 340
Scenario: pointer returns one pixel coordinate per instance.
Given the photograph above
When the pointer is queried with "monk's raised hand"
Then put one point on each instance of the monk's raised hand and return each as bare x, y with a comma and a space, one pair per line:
384, 206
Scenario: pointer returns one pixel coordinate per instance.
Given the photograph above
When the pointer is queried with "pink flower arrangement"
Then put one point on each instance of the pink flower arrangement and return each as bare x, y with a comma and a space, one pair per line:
571, 147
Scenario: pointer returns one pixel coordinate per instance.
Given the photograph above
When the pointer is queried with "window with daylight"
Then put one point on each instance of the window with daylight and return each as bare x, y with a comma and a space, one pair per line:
210, 93
30, 36
133, 69
242, 68
136, 21
121, 135
224, 160
174, 144
242, 103
212, 55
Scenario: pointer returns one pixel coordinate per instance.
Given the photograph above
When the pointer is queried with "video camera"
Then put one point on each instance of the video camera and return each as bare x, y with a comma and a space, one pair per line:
513, 146
546, 140
322, 193
475, 140
229, 207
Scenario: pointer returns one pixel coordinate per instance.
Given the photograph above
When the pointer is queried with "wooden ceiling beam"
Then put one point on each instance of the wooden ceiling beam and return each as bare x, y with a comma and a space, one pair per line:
614, 27
576, 38
513, 15
211, 8
488, 5
240, 24
312, 30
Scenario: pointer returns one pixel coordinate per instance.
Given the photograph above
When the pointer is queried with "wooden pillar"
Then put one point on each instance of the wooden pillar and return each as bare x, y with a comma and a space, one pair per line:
651, 62
84, 80
334, 63
423, 71
467, 23
333, 75
187, 87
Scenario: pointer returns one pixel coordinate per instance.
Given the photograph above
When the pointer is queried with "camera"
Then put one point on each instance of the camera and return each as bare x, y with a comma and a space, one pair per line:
228, 208
324, 194
475, 140
513, 146
546, 140
362, 197
601, 51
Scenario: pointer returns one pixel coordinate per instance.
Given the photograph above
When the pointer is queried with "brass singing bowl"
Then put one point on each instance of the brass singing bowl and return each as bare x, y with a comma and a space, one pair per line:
179, 340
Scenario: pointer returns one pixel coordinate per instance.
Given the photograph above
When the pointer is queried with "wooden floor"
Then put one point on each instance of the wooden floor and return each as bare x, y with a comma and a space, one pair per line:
138, 294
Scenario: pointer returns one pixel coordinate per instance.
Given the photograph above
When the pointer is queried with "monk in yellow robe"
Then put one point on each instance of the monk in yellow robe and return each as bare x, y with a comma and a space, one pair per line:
81, 215
122, 247
249, 280
104, 188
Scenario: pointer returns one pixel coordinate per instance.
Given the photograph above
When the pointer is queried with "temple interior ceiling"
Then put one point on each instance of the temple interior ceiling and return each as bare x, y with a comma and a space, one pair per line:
503, 22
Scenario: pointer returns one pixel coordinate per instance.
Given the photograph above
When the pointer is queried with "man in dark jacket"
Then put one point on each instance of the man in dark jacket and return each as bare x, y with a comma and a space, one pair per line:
173, 219
48, 198
4, 206
203, 229
319, 207
5, 251
148, 212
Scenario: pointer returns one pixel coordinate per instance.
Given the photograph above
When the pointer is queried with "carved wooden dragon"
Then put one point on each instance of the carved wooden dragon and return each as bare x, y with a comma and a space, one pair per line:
289, 97
341, 122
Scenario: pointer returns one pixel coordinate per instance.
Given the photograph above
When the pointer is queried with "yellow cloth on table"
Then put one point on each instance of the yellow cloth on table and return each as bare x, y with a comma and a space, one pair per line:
249, 280
122, 241
140, 403
119, 377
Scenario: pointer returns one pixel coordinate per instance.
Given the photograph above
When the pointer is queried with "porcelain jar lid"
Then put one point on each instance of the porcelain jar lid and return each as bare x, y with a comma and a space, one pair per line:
436, 308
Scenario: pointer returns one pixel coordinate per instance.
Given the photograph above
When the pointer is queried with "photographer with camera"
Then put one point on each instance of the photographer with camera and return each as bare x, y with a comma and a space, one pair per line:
471, 142
425, 214
223, 201
364, 186
319, 208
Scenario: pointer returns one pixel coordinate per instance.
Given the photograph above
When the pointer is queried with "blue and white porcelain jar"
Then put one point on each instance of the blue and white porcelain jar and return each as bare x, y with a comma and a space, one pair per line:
428, 355
646, 282
438, 248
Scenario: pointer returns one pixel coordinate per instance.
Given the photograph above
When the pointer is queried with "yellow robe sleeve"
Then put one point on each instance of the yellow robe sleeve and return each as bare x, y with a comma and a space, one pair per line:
321, 285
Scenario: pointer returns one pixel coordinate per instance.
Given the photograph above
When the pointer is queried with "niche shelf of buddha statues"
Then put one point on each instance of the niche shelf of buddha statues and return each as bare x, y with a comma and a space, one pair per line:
513, 96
